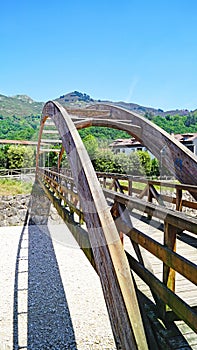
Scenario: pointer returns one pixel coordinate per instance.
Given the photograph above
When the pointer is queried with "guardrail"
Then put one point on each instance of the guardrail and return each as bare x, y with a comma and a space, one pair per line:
165, 193
174, 223
16, 173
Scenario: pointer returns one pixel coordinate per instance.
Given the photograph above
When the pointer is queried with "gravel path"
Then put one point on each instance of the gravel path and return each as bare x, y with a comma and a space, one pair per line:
51, 297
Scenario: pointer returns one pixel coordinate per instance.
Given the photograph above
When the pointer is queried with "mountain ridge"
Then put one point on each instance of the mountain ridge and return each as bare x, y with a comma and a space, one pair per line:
23, 105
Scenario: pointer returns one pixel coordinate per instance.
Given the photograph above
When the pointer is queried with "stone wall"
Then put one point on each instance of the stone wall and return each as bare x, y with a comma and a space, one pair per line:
13, 209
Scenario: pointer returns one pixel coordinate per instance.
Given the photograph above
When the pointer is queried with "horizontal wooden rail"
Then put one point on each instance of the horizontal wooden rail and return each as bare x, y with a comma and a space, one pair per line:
172, 259
174, 218
183, 310
186, 187
150, 189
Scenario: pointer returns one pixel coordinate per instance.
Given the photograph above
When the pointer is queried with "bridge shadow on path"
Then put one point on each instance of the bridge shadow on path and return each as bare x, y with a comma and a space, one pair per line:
49, 324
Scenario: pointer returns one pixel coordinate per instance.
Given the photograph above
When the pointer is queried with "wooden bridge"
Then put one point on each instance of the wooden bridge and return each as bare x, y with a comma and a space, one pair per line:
142, 243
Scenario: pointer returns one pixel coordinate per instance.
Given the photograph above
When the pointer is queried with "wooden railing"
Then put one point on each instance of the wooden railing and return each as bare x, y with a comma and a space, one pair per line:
174, 223
165, 193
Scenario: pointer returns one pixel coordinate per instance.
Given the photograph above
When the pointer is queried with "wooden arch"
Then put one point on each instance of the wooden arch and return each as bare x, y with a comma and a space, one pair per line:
110, 259
179, 160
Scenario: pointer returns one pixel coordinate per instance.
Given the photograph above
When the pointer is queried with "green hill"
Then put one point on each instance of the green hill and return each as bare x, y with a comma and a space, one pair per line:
19, 105
20, 117
22, 105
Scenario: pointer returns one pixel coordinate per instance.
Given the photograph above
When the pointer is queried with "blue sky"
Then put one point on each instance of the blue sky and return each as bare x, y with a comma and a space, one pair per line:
137, 51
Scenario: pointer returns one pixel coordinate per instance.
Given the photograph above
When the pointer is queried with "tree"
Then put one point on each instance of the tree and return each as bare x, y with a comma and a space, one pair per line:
20, 157
145, 161
191, 120
122, 164
154, 167
91, 145
104, 161
137, 169
3, 156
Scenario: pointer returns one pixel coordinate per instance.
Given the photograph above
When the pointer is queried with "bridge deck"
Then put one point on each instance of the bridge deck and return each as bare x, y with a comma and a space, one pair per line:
176, 335
68, 261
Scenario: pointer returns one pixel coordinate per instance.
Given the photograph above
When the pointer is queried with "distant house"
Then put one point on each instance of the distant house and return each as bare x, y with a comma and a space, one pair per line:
130, 145
189, 140
127, 146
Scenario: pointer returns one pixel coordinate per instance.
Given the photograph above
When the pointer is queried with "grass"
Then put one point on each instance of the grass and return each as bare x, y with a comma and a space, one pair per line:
141, 186
136, 185
12, 187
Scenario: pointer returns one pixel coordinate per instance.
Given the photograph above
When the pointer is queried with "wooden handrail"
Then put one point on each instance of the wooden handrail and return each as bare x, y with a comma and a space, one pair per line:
150, 191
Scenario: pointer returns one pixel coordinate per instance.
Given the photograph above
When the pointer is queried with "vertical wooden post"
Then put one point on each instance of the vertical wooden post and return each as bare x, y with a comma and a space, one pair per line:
150, 194
115, 185
178, 199
150, 198
170, 233
130, 187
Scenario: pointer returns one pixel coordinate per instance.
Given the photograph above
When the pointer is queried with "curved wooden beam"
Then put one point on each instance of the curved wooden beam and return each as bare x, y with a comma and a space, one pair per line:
179, 160
109, 255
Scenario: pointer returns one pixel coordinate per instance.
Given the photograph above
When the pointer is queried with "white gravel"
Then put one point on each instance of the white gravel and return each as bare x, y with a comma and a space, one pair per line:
51, 296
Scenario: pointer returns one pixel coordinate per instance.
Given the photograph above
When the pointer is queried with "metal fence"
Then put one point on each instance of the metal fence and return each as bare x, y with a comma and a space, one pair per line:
18, 174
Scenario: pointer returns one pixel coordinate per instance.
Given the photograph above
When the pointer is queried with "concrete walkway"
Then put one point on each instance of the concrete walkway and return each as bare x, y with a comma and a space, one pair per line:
51, 296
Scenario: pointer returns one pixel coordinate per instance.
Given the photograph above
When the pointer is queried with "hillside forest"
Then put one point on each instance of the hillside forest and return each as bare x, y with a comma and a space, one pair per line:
96, 140
27, 127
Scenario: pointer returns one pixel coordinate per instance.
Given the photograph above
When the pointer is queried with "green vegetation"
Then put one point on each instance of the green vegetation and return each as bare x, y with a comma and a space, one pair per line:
137, 163
16, 157
102, 133
3, 156
19, 105
91, 145
20, 120
14, 187
20, 157
175, 123
19, 128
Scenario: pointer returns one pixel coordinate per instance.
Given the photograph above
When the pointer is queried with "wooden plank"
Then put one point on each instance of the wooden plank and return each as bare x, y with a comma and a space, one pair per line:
170, 233
47, 131
144, 193
109, 123
88, 113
